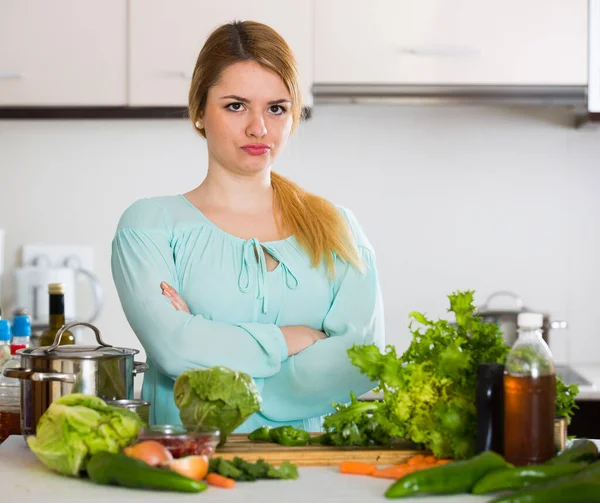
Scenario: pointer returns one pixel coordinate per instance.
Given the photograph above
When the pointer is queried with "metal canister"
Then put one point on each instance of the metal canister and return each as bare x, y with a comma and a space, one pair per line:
140, 407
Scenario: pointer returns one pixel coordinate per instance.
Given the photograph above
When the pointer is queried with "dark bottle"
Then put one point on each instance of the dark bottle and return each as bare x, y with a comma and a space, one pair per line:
490, 408
56, 292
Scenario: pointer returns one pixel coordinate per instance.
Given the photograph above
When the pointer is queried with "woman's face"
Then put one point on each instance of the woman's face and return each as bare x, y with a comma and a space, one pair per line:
247, 119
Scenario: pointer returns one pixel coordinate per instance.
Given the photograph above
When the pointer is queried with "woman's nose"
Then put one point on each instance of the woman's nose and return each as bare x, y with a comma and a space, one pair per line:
256, 127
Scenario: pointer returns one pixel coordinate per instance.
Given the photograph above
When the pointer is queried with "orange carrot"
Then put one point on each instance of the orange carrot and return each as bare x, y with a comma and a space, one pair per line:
214, 479
431, 460
393, 472
416, 460
442, 461
357, 468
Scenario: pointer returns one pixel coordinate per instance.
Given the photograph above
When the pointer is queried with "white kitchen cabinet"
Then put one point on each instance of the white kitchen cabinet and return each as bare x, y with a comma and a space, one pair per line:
478, 42
166, 37
63, 52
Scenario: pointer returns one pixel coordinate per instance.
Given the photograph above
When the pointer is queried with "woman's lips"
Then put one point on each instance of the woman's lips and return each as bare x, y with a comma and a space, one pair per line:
256, 148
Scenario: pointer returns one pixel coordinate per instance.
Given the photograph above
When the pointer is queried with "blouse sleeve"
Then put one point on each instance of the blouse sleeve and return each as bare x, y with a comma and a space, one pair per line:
142, 258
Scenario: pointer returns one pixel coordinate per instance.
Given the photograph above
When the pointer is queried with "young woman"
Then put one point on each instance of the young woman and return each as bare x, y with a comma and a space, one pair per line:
248, 270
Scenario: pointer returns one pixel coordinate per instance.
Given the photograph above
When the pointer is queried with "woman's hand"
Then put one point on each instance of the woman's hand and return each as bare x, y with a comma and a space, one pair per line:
300, 337
176, 301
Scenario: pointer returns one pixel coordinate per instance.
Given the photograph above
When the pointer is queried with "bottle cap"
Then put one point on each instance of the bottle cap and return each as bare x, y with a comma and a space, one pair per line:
56, 289
5, 333
530, 320
21, 326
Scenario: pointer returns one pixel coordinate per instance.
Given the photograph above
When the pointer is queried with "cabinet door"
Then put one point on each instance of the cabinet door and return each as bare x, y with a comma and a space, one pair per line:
166, 37
451, 42
63, 52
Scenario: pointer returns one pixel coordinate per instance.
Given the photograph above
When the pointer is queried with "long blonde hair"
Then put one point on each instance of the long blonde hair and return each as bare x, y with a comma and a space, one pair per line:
316, 223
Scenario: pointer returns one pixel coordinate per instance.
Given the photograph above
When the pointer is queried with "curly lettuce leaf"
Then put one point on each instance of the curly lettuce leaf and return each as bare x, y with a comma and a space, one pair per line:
77, 426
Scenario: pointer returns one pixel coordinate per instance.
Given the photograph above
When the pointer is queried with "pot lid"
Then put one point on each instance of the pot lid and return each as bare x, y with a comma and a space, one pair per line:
76, 352
56, 351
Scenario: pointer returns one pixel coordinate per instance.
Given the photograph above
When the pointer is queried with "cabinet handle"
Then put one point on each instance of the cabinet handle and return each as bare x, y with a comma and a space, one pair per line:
444, 52
10, 75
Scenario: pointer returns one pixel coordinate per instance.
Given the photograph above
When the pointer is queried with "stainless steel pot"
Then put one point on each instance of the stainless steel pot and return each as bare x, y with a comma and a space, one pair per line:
506, 319
50, 372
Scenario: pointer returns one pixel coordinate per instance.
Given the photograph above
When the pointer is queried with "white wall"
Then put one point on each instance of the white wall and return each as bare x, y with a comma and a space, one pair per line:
452, 198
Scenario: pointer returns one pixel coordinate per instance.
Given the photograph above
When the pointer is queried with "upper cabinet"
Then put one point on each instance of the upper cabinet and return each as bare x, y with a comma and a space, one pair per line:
466, 42
166, 37
63, 52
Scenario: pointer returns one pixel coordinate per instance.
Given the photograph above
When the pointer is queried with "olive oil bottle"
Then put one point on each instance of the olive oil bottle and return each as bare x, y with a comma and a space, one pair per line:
56, 292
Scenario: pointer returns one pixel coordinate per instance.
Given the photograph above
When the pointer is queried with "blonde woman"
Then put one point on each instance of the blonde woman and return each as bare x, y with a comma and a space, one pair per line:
248, 270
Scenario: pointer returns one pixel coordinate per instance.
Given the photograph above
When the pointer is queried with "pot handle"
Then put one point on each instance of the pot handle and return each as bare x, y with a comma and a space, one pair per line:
68, 326
34, 375
139, 367
504, 293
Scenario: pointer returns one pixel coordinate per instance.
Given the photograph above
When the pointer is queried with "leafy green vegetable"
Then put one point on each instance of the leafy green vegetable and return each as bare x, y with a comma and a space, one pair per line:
429, 392
217, 397
354, 424
565, 399
77, 426
241, 470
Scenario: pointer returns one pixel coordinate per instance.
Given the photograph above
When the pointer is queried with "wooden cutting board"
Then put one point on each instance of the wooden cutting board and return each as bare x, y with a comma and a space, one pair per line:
314, 455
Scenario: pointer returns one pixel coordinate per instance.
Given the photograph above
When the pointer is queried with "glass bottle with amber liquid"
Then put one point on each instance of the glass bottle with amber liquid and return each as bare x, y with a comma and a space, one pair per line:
529, 395
56, 292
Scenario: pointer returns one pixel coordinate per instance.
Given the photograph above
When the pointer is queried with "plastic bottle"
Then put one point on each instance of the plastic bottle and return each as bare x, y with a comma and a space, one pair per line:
21, 330
5, 338
529, 395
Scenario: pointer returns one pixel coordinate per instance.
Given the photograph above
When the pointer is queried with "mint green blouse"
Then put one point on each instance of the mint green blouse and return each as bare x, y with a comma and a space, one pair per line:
238, 307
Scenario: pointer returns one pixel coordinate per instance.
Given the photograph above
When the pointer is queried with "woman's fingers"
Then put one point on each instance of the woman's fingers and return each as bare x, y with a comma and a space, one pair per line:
176, 300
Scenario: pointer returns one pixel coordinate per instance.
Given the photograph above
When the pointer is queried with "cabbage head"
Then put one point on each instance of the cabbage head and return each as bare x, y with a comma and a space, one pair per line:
218, 397
76, 426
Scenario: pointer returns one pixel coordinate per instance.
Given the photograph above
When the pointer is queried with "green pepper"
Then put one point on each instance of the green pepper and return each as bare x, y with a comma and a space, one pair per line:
261, 434
323, 439
452, 478
118, 469
580, 491
580, 449
289, 436
581, 487
523, 476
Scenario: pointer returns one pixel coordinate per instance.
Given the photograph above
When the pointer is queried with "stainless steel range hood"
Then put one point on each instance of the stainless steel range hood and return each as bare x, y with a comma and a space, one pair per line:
585, 99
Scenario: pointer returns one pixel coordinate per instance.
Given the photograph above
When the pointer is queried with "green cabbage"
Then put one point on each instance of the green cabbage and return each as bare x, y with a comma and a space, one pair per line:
217, 397
77, 426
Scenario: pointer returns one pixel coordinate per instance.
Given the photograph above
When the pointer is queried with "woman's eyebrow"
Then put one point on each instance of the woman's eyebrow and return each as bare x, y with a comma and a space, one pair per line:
245, 100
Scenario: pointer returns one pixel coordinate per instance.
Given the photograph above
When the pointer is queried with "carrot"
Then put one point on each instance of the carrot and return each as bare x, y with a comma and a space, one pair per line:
357, 468
431, 460
442, 461
416, 460
393, 472
214, 479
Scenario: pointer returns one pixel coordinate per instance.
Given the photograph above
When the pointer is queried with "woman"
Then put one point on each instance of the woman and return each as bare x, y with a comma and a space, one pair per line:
248, 270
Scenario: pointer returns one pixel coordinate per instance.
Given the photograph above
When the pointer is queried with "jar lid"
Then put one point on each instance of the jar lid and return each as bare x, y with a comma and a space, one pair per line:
76, 352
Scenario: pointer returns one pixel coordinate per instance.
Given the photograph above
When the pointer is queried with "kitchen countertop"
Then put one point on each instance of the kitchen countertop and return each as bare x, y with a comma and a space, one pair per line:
24, 478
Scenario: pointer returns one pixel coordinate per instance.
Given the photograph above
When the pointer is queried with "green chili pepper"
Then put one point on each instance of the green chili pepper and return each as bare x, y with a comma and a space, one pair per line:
519, 477
289, 436
118, 469
453, 478
261, 434
323, 439
580, 449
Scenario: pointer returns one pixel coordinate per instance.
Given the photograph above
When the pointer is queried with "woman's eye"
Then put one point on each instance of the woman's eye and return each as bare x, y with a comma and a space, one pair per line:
277, 110
235, 107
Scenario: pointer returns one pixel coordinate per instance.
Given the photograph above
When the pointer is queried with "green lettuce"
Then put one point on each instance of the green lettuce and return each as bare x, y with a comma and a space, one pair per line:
77, 426
217, 397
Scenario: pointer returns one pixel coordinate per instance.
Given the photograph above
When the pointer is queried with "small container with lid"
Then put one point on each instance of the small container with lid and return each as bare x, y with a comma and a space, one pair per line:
21, 330
182, 441
5, 339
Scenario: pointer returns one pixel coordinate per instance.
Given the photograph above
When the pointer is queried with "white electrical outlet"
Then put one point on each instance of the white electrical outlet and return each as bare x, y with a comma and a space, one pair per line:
56, 255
